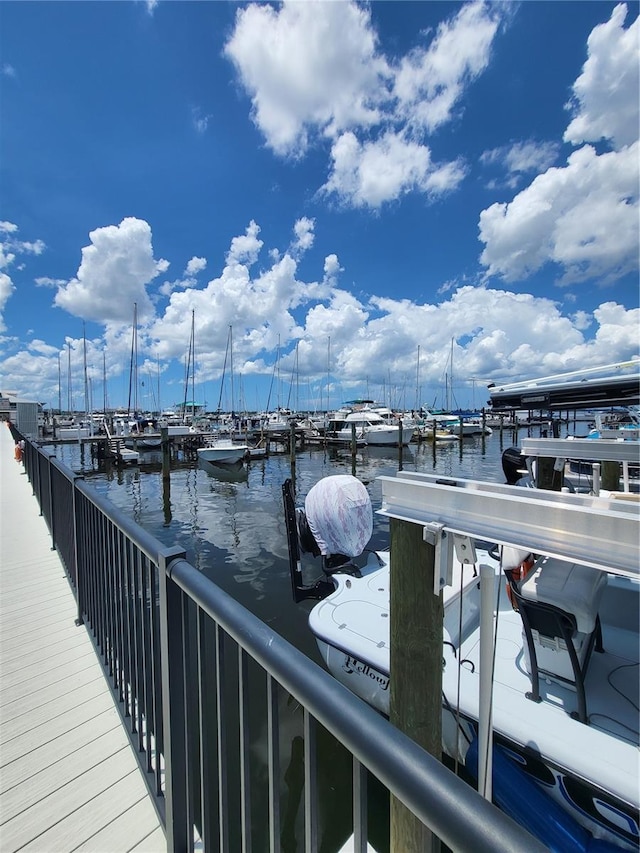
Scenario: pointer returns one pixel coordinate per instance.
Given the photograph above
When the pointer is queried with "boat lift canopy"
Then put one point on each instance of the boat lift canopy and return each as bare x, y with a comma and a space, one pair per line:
580, 389
587, 529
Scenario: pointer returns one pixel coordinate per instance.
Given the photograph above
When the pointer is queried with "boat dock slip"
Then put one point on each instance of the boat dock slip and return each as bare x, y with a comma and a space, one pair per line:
68, 777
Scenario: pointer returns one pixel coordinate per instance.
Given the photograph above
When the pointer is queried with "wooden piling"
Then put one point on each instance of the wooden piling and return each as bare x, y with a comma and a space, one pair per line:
166, 453
292, 450
415, 664
547, 477
610, 475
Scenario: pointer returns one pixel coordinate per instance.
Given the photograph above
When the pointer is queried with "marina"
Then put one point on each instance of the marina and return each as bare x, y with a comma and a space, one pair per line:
332, 724
320, 428
228, 521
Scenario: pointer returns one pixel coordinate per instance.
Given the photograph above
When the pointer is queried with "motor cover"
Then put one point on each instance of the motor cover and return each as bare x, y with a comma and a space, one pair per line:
339, 514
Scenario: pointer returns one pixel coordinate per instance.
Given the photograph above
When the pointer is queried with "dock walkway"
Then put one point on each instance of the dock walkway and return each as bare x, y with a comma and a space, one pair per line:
69, 779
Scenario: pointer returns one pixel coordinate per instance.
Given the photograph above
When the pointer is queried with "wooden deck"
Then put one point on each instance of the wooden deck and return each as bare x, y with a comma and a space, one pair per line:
69, 779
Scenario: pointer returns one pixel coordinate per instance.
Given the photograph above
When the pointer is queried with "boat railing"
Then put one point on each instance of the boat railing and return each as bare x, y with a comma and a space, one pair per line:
182, 657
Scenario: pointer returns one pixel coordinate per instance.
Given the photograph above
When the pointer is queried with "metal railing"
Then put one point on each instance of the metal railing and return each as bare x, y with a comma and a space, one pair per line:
183, 659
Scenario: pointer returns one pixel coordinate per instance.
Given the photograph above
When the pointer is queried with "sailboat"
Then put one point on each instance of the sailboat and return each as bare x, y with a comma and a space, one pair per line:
137, 433
71, 430
219, 450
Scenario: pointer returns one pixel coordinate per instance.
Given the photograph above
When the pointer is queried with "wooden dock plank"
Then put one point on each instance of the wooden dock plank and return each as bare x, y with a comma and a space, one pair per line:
39, 640
153, 843
15, 625
12, 681
40, 715
42, 782
115, 836
69, 779
29, 828
42, 654
36, 691
51, 728
42, 756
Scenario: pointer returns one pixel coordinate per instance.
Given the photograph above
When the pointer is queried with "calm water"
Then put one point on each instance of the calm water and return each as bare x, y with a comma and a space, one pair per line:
230, 524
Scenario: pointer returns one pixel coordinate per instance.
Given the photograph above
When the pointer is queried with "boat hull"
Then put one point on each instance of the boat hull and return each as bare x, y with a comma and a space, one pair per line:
223, 453
590, 808
381, 437
588, 772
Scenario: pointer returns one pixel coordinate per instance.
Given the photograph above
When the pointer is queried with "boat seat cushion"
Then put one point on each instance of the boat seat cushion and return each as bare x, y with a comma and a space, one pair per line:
571, 587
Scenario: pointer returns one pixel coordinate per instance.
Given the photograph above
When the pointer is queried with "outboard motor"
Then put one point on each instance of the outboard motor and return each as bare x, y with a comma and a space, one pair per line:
336, 523
514, 465
339, 514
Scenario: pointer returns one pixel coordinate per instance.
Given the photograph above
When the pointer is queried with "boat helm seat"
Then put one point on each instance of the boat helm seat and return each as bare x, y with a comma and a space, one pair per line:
559, 603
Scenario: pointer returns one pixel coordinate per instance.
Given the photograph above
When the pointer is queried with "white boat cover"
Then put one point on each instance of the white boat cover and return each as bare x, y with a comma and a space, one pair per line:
339, 514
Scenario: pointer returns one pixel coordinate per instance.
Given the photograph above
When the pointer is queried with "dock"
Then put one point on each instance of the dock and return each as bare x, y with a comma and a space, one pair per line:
69, 779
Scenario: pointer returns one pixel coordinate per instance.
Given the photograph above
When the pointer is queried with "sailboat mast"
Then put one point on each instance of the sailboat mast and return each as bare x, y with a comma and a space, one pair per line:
297, 405
193, 367
278, 376
69, 389
133, 364
418, 381
450, 378
84, 361
328, 368
231, 365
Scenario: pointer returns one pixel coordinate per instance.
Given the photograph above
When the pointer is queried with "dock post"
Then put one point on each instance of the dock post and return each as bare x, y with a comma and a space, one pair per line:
78, 564
415, 665
547, 477
166, 451
292, 450
172, 617
399, 444
610, 475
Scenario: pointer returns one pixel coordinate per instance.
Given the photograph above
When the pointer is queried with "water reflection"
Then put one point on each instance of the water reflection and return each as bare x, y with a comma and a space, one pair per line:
236, 473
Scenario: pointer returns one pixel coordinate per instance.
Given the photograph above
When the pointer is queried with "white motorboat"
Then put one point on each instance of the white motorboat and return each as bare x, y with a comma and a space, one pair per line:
369, 427
564, 705
626, 427
278, 421
472, 426
222, 451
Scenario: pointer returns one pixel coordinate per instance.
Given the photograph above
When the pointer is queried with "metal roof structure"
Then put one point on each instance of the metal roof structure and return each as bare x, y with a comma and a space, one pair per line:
580, 389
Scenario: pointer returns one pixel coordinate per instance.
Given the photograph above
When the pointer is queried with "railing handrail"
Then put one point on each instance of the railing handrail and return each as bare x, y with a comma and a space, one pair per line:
457, 813
441, 800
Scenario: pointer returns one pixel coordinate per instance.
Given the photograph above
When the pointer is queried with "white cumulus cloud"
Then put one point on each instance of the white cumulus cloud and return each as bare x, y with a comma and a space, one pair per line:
307, 66
369, 174
114, 273
605, 97
314, 72
430, 81
582, 217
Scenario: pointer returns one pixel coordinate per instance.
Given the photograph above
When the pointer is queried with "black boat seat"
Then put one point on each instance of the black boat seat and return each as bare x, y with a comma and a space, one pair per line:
559, 603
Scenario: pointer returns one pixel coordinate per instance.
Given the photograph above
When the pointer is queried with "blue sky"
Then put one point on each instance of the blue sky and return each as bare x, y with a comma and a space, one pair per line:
358, 191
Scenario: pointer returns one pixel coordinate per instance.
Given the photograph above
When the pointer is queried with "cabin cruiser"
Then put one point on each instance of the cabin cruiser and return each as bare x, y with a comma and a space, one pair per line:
367, 426
562, 590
